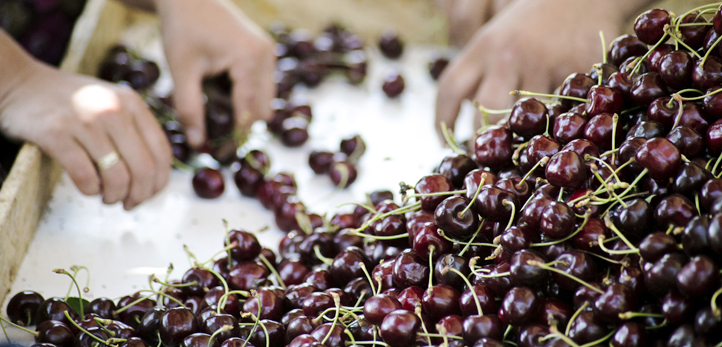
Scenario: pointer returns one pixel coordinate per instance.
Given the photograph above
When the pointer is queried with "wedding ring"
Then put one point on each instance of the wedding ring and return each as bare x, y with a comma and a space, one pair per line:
107, 161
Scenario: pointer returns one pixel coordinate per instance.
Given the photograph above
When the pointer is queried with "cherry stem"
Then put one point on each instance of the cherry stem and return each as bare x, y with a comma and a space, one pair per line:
3, 319
601, 245
80, 292
468, 244
551, 243
273, 269
122, 309
716, 163
713, 304
629, 315
704, 60
634, 183
417, 312
598, 342
541, 163
431, 266
255, 319
478, 189
449, 138
541, 265
160, 293
574, 316
451, 192
223, 282
506, 202
500, 274
2, 324
443, 234
468, 284
678, 41
368, 277
545, 95
605, 164
561, 194
400, 210
604, 47
72, 321
439, 335
337, 302
615, 122
490, 111
563, 337
317, 251
600, 72
172, 285
376, 237
368, 343
440, 328
517, 153
696, 97
608, 222
601, 257
221, 330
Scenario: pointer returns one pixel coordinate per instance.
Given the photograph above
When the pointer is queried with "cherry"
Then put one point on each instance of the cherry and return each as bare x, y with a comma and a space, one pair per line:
216, 322
437, 66
539, 146
521, 189
275, 336
713, 103
347, 265
630, 334
246, 247
695, 240
617, 299
449, 217
706, 322
22, 307
271, 305
714, 138
518, 306
633, 220
647, 130
531, 215
646, 88
522, 273
342, 173
693, 36
603, 99
656, 54
467, 303
410, 269
129, 342
456, 167
426, 238
208, 183
399, 328
103, 307
660, 157
688, 142
698, 277
674, 210
586, 328
530, 335
393, 85
566, 170
557, 220
554, 311
528, 118
676, 308
150, 323
357, 63
654, 246
675, 69
384, 271
575, 85
392, 226
303, 340
294, 131
518, 237
582, 147
53, 309
199, 340
691, 178
322, 240
440, 300
661, 277
623, 47
682, 336
354, 147
320, 161
569, 127
432, 184
631, 63
295, 295
391, 45
575, 264
492, 147
707, 75
175, 324
298, 326
248, 180
649, 26
244, 275
621, 82
54, 332
499, 285
410, 297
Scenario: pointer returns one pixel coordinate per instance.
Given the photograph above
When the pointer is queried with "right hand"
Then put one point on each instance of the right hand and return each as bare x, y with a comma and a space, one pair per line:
77, 120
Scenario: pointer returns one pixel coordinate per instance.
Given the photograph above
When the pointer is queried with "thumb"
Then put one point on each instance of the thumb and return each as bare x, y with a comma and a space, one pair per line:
188, 100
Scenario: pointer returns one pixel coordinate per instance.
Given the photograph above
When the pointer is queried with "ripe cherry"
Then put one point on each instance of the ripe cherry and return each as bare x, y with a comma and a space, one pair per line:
660, 157
208, 183
492, 147
528, 118
649, 26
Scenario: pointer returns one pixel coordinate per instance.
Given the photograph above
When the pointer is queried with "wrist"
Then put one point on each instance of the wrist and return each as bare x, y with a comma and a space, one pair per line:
16, 66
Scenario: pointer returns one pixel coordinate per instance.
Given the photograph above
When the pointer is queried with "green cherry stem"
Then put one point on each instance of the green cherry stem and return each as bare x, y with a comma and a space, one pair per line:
317, 251
71, 320
598, 342
604, 47
506, 202
449, 138
219, 331
468, 207
273, 269
574, 316
629, 315
337, 302
3, 319
541, 265
80, 292
368, 278
713, 303
468, 244
544, 95
431, 267
609, 224
468, 285
551, 243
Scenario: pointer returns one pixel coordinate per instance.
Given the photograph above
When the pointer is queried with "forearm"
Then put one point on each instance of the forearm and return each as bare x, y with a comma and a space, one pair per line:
14, 64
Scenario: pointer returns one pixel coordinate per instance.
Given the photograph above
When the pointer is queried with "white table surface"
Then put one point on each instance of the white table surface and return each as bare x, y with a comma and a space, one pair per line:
121, 249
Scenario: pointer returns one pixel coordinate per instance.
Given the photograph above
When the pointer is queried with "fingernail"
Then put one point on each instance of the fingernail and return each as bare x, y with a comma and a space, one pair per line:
194, 136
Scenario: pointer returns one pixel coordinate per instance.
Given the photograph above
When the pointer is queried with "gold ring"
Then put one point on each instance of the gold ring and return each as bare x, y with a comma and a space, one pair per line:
107, 161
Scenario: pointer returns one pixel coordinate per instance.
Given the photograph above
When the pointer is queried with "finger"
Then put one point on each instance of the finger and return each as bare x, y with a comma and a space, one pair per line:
188, 100
158, 144
115, 180
494, 90
466, 17
244, 97
75, 161
266, 91
136, 154
458, 82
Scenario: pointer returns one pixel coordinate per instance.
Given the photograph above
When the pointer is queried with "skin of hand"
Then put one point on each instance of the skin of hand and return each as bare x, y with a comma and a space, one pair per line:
530, 45
78, 120
465, 17
205, 38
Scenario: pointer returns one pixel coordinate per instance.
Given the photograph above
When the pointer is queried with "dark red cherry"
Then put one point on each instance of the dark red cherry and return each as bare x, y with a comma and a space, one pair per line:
410, 297
440, 300
625, 46
688, 142
583, 148
693, 35
474, 178
393, 85
448, 217
53, 309
622, 83
399, 328
378, 306
707, 75
429, 244
213, 297
540, 146
698, 277
654, 246
557, 220
531, 215
22, 307
660, 157
706, 322
586, 328
661, 277
432, 184
521, 189
646, 88
587, 238
517, 238
518, 306
495, 204
690, 178
390, 44
479, 328
617, 299
575, 85
714, 138
554, 311
103, 307
566, 170
176, 324
245, 275
635, 219
675, 69
275, 333
499, 285
342, 173
492, 147
603, 99
216, 322
575, 264
410, 270
677, 308
528, 118
630, 334
656, 54
713, 103
346, 265
524, 273
208, 183
649, 26
674, 210
486, 300
294, 131
248, 180
568, 127
320, 161
451, 278
246, 247
437, 66
456, 167
55, 333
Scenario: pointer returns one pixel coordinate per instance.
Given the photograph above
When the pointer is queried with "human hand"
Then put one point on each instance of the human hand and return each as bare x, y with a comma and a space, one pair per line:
207, 37
78, 120
465, 17
530, 45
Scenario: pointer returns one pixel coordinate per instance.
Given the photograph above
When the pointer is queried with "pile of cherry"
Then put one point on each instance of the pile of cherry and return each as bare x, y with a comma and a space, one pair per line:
591, 220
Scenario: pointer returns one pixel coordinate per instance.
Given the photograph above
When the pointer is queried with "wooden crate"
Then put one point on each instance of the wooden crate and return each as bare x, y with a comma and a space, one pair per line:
33, 176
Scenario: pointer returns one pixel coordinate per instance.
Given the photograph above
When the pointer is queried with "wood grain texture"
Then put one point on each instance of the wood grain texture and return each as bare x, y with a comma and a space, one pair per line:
32, 178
